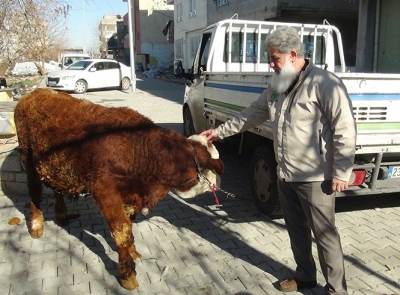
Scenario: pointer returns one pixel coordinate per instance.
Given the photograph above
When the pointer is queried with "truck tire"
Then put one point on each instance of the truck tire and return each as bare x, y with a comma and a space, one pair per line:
264, 187
188, 128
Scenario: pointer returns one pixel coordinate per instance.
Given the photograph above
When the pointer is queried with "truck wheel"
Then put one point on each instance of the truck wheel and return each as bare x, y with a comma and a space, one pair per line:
264, 187
188, 128
80, 87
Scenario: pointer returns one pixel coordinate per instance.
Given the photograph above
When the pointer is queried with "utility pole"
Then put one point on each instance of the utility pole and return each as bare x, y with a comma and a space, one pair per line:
131, 17
84, 27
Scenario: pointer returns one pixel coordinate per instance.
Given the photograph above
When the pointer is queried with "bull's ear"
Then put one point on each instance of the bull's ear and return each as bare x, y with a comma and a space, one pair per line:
205, 158
217, 165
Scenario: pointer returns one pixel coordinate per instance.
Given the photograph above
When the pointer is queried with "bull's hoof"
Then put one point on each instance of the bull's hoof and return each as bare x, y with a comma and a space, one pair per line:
127, 272
130, 283
36, 234
36, 227
36, 224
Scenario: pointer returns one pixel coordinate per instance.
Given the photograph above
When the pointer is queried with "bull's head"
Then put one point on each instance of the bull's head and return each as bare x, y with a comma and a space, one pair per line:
209, 166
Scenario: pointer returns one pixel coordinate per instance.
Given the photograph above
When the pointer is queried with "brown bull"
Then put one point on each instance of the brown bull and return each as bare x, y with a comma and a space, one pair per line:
122, 158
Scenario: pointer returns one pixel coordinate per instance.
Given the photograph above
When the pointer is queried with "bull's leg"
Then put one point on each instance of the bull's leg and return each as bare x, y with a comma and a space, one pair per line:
36, 223
112, 209
60, 210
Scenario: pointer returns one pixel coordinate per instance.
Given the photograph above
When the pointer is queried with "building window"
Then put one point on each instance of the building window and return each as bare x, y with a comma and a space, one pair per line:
179, 11
194, 45
179, 48
222, 2
192, 8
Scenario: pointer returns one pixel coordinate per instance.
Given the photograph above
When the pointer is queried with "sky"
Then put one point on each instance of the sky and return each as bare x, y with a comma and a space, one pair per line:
82, 23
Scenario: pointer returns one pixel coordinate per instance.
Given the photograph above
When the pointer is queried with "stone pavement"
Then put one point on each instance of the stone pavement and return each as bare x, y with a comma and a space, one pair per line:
190, 247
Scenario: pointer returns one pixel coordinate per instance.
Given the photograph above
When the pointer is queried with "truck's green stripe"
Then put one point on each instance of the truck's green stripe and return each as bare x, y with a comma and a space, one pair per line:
224, 105
360, 125
378, 126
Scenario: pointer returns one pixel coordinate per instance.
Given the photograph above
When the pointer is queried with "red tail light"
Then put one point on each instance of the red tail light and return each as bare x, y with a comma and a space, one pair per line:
357, 177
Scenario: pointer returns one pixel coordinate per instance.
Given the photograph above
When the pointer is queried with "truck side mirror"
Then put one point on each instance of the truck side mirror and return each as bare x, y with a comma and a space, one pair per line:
190, 76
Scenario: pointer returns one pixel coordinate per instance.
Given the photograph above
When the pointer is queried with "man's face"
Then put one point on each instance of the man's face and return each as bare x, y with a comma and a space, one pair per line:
285, 72
277, 60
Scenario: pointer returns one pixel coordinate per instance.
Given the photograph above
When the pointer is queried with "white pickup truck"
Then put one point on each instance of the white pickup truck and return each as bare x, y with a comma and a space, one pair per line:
230, 71
69, 58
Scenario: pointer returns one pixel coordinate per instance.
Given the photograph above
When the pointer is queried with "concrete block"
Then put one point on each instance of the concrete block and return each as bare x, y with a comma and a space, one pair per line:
21, 177
74, 289
7, 176
11, 163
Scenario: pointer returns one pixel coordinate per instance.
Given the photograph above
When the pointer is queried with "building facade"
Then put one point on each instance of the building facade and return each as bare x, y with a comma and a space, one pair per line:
190, 18
151, 46
378, 42
107, 28
368, 27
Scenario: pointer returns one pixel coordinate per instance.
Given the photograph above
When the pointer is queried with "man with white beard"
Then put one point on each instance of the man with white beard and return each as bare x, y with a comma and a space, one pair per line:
314, 143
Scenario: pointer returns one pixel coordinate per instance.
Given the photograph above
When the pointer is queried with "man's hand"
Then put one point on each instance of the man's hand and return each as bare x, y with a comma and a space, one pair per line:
210, 134
339, 185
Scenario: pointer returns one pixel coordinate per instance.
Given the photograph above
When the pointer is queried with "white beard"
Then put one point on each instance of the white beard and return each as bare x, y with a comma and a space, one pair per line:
282, 81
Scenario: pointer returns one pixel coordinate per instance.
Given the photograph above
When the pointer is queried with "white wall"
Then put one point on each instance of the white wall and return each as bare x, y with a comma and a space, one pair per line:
153, 16
189, 27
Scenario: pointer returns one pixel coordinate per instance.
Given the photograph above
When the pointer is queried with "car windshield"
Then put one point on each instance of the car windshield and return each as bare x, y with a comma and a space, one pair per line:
80, 65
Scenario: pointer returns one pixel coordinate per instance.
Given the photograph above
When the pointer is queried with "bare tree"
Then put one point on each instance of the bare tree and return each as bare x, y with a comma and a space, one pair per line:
31, 30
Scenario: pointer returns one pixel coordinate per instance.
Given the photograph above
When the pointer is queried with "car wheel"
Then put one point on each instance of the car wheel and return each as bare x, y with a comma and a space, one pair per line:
125, 83
264, 187
188, 128
80, 86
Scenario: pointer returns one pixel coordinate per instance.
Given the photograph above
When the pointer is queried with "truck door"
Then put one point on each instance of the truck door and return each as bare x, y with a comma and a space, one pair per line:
193, 119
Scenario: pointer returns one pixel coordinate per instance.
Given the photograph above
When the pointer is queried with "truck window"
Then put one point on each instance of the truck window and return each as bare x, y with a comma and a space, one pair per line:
73, 59
309, 47
202, 55
251, 48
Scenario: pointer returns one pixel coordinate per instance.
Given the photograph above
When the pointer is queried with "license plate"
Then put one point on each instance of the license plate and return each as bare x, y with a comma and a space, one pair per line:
52, 83
394, 171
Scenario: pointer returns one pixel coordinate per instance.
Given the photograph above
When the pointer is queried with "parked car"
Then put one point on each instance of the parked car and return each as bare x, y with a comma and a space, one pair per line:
90, 74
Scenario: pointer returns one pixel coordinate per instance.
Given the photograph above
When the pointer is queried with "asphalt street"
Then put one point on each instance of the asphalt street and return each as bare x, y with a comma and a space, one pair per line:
191, 246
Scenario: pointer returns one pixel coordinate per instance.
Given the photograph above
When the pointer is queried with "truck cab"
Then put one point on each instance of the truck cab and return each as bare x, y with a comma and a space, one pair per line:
68, 59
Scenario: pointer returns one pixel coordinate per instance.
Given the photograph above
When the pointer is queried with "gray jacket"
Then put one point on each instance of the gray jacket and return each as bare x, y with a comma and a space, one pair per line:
314, 127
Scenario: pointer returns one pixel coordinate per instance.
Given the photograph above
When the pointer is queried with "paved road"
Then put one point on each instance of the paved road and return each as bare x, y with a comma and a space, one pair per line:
190, 247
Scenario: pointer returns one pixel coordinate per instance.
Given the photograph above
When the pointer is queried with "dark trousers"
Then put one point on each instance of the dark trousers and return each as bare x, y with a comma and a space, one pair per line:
310, 206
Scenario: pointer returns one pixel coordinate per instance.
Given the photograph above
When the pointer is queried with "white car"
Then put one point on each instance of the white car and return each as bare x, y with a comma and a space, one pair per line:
90, 74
